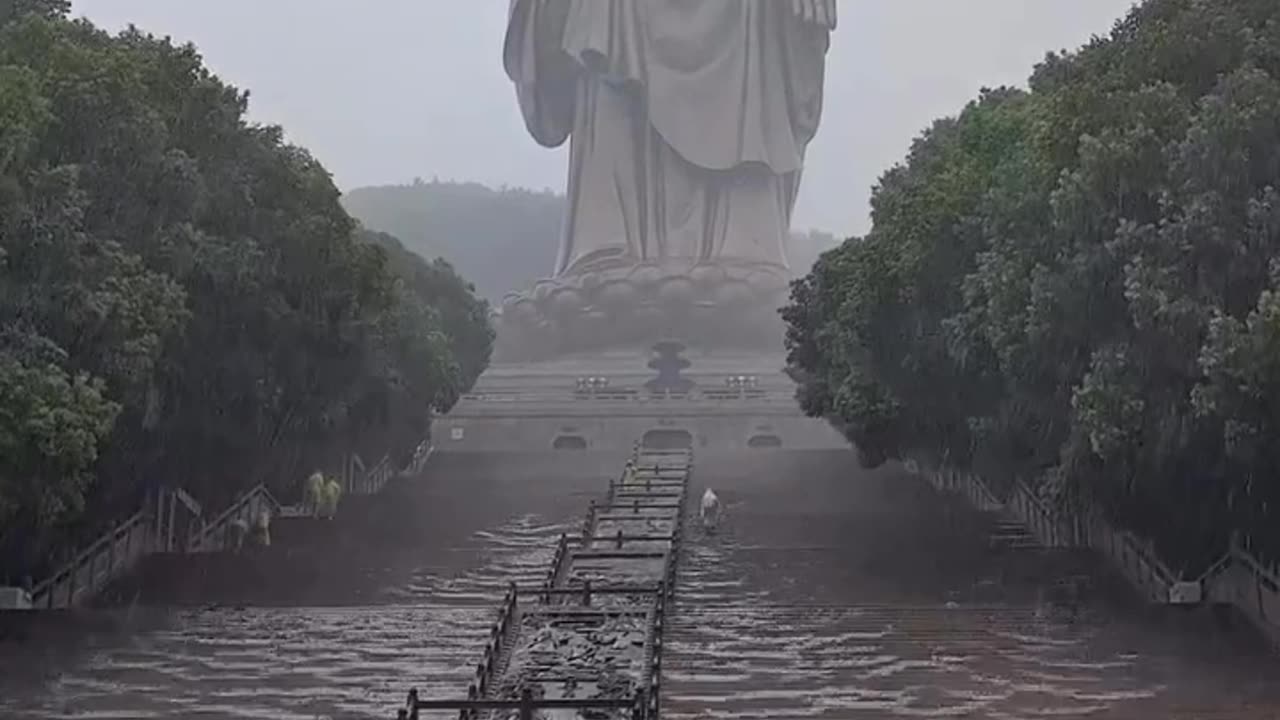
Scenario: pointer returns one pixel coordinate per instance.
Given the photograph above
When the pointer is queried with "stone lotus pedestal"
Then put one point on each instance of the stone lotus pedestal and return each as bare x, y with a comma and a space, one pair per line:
710, 305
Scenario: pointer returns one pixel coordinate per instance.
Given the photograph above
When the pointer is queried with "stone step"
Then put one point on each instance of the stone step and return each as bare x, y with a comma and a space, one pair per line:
1010, 530
1011, 525
1013, 537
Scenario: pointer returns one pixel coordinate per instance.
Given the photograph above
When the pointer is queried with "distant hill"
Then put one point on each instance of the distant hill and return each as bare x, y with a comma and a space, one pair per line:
499, 240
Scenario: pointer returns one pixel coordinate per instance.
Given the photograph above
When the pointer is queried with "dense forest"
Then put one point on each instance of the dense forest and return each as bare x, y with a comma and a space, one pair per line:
470, 225
1078, 285
183, 299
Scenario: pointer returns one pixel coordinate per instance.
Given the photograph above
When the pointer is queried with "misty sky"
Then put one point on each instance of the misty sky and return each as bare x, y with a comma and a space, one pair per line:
382, 91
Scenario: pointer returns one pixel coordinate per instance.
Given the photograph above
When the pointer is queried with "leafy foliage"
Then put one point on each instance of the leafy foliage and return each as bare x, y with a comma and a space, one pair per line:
1076, 285
183, 299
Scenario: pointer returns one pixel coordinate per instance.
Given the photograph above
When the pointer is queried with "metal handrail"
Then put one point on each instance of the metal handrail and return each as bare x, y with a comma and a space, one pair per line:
1140, 549
526, 705
1047, 521
1220, 566
1047, 525
1239, 554
487, 669
421, 455
637, 396
373, 480
224, 519
557, 562
44, 594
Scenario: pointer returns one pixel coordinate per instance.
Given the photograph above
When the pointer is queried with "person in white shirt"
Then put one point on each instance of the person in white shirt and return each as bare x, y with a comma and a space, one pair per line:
709, 513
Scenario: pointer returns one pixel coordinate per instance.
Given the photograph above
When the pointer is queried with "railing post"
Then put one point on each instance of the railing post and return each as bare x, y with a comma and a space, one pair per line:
128, 543
93, 570
526, 703
111, 549
157, 522
173, 511
586, 593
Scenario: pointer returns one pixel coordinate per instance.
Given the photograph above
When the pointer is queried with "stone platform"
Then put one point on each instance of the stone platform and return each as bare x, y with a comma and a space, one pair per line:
724, 304
540, 406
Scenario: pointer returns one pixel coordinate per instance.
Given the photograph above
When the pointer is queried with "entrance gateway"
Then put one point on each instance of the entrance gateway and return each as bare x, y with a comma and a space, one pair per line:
667, 439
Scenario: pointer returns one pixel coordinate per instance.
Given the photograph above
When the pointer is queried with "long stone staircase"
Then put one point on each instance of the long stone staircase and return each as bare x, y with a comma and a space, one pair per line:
828, 592
589, 639
1010, 534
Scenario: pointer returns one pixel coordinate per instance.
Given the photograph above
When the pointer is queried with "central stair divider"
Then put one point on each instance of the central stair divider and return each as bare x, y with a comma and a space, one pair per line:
589, 637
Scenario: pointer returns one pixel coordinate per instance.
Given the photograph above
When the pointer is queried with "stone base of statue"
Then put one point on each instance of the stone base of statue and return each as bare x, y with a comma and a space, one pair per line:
720, 305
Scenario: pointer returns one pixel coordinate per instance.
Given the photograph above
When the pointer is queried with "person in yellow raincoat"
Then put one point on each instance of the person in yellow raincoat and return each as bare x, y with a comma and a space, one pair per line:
629, 473
329, 498
313, 493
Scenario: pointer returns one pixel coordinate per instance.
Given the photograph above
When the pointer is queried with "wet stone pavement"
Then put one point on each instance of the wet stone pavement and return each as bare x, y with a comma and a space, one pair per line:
445, 549
829, 592
860, 599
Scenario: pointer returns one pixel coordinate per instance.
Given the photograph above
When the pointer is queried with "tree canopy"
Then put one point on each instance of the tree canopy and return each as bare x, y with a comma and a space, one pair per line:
1078, 284
183, 299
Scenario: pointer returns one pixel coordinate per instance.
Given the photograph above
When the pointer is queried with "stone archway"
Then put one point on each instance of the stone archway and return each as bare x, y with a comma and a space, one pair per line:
668, 439
569, 442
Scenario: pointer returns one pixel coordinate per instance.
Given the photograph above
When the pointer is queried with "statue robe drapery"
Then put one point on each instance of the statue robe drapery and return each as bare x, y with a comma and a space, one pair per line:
687, 120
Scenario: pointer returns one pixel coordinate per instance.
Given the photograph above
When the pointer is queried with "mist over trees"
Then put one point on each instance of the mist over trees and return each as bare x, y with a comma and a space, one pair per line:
183, 299
1079, 285
503, 240
806, 247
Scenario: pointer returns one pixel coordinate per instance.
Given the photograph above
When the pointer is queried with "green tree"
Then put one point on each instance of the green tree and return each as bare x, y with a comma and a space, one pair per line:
183, 298
1073, 285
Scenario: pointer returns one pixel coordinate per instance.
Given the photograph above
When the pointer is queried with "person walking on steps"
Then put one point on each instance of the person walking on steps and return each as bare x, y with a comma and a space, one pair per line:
239, 531
261, 530
313, 494
330, 497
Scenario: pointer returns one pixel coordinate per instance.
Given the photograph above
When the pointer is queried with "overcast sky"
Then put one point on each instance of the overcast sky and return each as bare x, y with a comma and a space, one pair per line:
386, 90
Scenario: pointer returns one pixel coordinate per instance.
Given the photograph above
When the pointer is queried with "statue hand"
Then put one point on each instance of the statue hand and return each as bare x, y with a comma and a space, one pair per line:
816, 12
